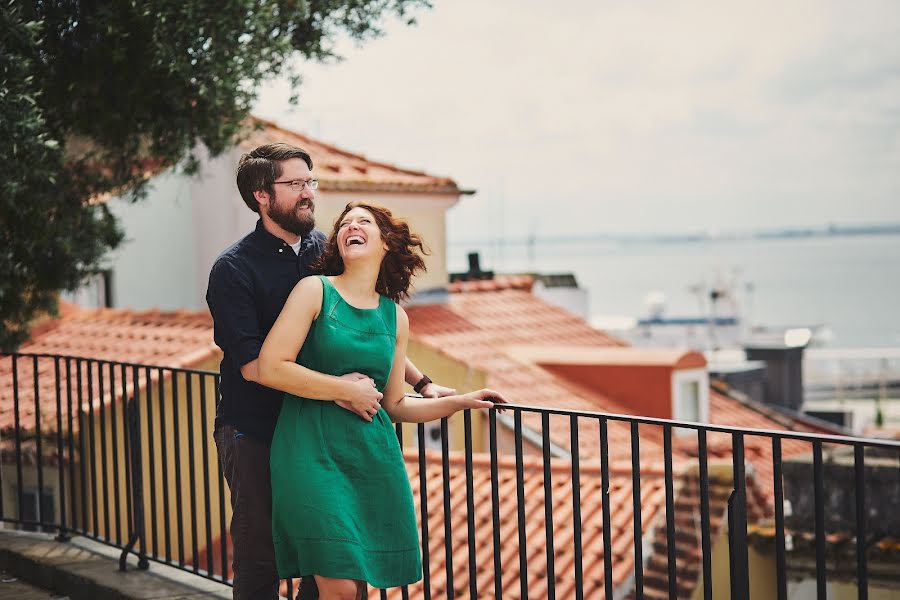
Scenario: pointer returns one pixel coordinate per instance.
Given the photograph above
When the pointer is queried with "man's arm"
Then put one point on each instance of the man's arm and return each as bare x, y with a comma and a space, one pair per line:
232, 302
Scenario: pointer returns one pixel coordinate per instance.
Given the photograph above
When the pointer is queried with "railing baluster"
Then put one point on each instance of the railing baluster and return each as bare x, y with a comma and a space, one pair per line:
151, 458
104, 471
607, 520
448, 529
204, 446
60, 454
780, 558
404, 590
70, 440
95, 526
164, 477
705, 543
115, 449
737, 523
670, 513
39, 454
862, 569
470, 505
548, 506
636, 509
81, 450
423, 508
495, 503
133, 433
223, 529
17, 432
576, 508
819, 496
179, 504
520, 498
192, 470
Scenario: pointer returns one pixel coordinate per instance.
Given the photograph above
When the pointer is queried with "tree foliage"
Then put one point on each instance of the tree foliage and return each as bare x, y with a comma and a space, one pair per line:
94, 94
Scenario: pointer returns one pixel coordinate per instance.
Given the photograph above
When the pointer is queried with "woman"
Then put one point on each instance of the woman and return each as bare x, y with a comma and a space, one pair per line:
342, 508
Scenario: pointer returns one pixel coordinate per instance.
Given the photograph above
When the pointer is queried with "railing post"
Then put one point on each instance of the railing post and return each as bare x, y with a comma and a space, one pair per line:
136, 526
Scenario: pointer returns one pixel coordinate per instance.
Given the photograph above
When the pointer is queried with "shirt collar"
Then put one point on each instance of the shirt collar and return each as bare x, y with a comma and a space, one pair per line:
267, 240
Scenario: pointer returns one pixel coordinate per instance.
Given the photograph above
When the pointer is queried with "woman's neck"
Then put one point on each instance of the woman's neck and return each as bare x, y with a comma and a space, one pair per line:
358, 281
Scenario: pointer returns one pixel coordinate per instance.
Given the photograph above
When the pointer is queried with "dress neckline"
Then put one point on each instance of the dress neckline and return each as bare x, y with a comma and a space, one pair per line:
336, 291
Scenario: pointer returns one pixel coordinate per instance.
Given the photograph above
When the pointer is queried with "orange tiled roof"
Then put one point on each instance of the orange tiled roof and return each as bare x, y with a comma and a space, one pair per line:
342, 171
479, 329
686, 518
151, 337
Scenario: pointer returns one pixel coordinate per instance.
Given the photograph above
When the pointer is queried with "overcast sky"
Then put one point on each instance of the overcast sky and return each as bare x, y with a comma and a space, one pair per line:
621, 117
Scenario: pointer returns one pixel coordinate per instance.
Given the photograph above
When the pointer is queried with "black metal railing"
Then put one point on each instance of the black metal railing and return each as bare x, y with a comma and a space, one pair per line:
533, 502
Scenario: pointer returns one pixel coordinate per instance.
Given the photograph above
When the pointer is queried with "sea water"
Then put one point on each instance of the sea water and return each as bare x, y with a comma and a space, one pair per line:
851, 284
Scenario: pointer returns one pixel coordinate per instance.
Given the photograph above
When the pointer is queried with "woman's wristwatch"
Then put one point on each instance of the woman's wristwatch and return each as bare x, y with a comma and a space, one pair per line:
422, 383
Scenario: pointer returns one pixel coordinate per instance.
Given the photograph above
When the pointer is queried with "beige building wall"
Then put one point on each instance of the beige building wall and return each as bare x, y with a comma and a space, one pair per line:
426, 214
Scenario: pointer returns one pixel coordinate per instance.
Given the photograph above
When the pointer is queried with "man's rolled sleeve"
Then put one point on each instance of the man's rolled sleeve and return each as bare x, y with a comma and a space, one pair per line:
230, 297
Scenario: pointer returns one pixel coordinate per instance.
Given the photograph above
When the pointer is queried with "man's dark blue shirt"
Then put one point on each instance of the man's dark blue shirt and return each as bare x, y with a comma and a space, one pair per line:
248, 286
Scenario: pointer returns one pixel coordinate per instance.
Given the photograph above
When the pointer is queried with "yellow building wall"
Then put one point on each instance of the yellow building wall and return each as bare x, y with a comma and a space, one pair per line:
452, 373
166, 490
761, 570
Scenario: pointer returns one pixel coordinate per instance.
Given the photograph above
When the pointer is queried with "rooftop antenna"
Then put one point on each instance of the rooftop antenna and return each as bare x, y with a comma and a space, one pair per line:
529, 245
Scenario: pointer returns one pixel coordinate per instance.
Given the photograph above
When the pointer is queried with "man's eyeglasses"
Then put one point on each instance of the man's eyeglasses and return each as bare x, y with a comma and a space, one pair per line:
297, 185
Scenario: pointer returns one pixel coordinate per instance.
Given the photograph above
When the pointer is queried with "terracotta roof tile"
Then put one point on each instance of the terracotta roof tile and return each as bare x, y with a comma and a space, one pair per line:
590, 496
494, 284
340, 170
152, 337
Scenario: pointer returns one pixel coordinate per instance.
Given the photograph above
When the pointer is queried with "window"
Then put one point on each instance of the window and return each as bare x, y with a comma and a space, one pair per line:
688, 400
690, 397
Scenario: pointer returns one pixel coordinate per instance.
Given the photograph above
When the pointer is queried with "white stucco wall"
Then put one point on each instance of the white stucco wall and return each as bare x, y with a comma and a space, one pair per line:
153, 267
176, 232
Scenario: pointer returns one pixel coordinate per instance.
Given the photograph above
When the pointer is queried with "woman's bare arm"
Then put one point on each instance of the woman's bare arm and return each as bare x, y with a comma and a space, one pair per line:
277, 359
402, 408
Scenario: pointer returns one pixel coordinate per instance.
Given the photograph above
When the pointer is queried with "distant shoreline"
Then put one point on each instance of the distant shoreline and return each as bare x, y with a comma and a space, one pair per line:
828, 231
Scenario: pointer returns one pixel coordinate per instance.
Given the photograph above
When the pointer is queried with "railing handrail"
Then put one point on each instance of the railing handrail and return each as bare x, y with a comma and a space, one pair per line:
110, 362
784, 434
643, 420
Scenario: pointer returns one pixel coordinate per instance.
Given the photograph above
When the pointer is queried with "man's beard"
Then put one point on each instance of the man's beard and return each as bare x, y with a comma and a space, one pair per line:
290, 220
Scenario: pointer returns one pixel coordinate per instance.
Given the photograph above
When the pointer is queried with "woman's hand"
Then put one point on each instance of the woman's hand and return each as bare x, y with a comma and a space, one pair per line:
484, 398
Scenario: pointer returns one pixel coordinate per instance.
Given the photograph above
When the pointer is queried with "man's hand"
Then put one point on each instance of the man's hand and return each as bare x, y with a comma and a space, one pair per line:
367, 398
433, 390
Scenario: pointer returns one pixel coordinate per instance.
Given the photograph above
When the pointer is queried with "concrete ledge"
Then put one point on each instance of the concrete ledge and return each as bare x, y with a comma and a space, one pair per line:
86, 570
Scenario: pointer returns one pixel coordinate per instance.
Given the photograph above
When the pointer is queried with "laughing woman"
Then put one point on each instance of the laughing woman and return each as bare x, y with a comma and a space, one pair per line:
342, 508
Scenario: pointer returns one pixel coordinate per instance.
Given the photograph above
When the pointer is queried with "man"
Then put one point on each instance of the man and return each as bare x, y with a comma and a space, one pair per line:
248, 286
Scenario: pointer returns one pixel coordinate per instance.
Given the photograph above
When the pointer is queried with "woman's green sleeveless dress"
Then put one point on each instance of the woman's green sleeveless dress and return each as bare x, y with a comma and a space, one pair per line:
342, 506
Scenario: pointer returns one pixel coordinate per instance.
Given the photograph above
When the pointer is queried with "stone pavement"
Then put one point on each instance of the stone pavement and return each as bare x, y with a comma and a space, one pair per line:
82, 569
13, 588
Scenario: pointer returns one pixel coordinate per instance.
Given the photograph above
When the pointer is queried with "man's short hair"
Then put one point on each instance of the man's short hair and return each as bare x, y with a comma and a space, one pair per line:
258, 169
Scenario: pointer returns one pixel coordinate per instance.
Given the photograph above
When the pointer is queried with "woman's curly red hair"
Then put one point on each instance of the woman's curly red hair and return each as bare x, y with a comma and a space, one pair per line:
402, 261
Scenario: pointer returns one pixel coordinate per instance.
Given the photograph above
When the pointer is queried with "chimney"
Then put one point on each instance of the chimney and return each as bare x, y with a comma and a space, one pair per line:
784, 368
474, 273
